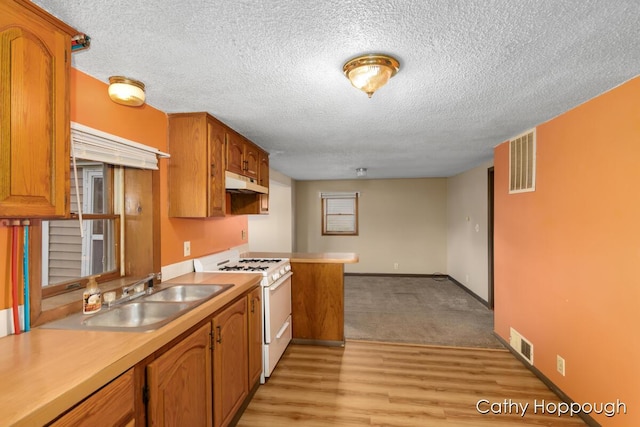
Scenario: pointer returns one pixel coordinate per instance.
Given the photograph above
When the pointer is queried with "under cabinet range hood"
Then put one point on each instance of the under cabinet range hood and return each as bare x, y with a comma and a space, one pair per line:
235, 183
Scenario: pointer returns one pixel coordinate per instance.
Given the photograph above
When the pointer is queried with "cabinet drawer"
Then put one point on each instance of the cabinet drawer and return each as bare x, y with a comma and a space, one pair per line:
278, 345
112, 405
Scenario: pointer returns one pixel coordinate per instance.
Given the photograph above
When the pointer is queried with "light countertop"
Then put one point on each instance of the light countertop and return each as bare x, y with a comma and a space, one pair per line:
46, 371
308, 257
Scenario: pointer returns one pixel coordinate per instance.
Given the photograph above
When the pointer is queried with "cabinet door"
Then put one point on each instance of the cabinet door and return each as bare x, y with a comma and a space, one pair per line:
230, 364
179, 383
196, 166
217, 195
264, 181
251, 160
113, 405
189, 165
34, 115
235, 153
255, 335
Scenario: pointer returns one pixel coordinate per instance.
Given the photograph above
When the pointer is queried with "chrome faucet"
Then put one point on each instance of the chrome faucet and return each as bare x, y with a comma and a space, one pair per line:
136, 289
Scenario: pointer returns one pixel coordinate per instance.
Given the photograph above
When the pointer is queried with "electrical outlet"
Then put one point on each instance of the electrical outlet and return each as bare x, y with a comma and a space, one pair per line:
244, 234
560, 364
187, 248
395, 265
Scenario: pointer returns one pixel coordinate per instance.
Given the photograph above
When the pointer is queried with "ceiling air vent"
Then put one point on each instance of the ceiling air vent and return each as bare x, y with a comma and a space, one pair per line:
522, 163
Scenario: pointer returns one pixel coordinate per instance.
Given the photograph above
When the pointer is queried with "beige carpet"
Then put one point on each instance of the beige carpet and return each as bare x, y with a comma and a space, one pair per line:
418, 310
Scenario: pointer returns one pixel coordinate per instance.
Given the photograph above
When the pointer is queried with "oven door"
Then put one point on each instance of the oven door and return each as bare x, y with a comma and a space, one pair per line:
277, 306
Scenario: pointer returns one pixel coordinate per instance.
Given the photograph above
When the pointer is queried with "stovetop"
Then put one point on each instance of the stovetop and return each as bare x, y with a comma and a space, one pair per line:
230, 262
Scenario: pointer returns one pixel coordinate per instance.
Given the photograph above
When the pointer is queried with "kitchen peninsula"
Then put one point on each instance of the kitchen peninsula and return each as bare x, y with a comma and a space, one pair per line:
317, 295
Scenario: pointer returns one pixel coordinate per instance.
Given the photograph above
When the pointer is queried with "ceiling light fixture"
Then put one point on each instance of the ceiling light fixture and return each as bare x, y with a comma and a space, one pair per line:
370, 72
125, 91
360, 172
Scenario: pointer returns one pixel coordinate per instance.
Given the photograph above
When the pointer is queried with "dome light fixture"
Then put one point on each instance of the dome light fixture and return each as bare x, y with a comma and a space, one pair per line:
370, 72
360, 172
125, 91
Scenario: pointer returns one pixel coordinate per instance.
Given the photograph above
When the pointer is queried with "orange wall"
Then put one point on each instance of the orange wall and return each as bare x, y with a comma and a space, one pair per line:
566, 255
91, 106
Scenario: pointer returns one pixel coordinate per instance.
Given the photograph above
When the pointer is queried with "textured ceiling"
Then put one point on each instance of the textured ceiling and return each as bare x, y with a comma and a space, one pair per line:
473, 72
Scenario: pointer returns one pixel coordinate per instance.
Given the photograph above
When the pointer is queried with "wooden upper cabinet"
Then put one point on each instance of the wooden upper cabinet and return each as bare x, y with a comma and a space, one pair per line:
243, 156
35, 58
251, 160
235, 152
263, 179
202, 149
197, 166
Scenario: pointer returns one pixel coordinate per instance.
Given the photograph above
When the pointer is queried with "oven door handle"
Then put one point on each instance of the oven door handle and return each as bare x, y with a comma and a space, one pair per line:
280, 281
282, 330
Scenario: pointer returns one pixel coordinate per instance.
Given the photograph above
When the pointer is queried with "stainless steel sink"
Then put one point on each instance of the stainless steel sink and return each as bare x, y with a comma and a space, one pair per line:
137, 315
187, 293
145, 313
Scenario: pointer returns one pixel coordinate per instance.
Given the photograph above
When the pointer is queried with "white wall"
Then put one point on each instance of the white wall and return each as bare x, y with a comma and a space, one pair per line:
467, 226
400, 220
274, 232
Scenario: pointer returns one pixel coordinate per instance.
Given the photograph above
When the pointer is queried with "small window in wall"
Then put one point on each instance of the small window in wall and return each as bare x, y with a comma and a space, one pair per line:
339, 214
522, 163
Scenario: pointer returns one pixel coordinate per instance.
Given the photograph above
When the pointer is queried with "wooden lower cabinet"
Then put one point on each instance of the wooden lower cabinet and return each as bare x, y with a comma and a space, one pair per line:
179, 383
230, 362
254, 299
202, 379
317, 303
112, 405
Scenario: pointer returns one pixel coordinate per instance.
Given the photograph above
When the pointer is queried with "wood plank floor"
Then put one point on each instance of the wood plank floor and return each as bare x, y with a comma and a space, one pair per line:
380, 384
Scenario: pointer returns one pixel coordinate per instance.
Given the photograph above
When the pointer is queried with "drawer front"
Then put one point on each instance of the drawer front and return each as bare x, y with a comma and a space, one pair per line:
112, 405
274, 350
277, 307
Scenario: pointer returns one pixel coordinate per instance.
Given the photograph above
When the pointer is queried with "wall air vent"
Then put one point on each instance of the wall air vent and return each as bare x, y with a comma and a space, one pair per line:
521, 345
522, 163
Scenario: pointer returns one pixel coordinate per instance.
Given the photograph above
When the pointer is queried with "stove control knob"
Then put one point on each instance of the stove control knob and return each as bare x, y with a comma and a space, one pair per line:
287, 267
275, 276
282, 271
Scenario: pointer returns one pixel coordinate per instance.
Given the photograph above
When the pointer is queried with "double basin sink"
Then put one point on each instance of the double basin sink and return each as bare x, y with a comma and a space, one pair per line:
145, 313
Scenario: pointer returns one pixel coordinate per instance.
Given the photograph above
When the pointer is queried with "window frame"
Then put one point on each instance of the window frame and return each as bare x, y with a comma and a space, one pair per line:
81, 282
325, 200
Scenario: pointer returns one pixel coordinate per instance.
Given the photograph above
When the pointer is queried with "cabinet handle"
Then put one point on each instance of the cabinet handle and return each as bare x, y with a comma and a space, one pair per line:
213, 169
253, 305
219, 340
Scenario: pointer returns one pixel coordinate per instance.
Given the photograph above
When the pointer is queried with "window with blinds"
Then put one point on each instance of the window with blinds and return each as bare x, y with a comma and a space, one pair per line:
339, 214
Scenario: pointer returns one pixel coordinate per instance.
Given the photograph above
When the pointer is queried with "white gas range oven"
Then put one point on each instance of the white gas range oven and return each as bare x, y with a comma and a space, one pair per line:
276, 298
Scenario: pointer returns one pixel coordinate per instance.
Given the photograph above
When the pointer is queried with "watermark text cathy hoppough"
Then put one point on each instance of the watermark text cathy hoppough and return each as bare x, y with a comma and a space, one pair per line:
509, 406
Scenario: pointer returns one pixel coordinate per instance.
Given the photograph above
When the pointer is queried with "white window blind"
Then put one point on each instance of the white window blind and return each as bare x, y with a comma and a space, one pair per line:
92, 144
339, 213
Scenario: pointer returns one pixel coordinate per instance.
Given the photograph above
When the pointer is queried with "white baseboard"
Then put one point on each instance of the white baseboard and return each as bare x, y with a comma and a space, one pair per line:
6, 320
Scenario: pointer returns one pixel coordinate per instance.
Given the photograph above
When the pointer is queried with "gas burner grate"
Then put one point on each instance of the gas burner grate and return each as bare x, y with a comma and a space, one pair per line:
244, 268
259, 260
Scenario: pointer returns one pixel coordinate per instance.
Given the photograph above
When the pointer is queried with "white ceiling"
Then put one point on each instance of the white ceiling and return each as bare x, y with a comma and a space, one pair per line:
473, 73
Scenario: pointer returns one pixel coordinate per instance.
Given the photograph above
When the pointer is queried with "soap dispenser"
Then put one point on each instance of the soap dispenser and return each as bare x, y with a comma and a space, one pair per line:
91, 299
